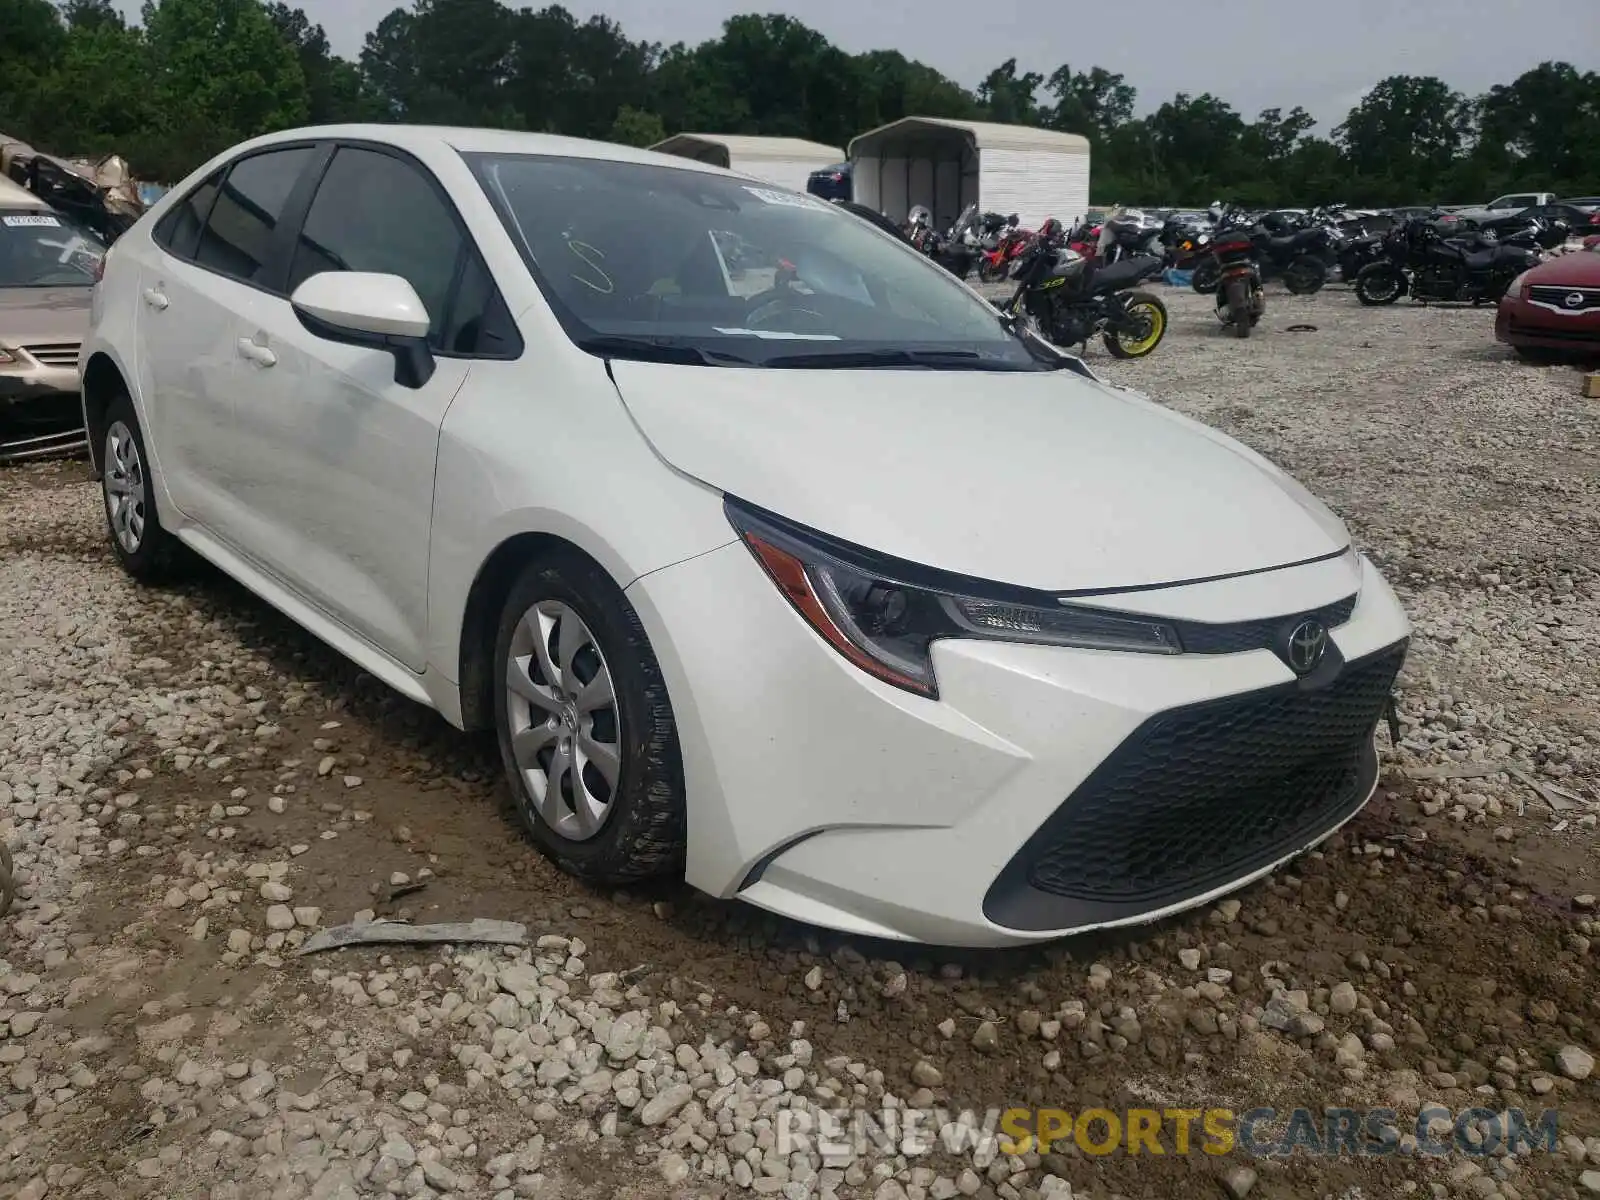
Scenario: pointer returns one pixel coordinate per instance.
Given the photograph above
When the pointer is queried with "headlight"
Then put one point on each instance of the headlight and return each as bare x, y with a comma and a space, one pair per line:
7, 358
1519, 285
884, 615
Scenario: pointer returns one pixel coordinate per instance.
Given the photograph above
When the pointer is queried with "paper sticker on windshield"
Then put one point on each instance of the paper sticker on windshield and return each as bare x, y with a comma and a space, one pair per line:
785, 199
41, 219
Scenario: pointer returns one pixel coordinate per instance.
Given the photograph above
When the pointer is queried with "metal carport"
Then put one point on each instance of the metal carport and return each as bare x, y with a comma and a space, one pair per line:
778, 160
946, 165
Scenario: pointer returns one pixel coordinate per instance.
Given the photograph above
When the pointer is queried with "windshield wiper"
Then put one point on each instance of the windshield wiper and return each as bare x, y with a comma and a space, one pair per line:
642, 349
950, 360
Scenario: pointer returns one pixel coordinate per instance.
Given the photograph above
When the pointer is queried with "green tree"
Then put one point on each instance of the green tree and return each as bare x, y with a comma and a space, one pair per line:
1092, 102
1196, 142
634, 127
220, 73
1011, 99
1543, 127
1404, 135
445, 62
334, 89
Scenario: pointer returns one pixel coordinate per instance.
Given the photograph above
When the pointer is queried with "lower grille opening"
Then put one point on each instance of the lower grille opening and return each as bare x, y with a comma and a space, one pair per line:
1199, 796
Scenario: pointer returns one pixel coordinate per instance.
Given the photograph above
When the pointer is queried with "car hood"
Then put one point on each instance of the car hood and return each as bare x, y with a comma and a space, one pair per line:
1567, 270
1043, 480
35, 316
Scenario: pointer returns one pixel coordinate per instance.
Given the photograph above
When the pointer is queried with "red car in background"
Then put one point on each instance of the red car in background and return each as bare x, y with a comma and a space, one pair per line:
1554, 307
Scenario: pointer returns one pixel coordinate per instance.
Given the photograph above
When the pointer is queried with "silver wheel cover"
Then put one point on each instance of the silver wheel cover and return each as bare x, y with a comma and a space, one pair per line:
125, 487
565, 727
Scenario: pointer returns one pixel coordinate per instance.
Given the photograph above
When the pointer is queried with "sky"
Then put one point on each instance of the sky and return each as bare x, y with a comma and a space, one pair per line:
1255, 54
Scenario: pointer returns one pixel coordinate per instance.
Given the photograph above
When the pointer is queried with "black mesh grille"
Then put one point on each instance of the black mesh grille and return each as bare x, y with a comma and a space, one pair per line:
1199, 638
1201, 795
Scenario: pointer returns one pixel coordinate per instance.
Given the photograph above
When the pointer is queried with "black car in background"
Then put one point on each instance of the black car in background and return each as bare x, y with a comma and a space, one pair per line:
831, 183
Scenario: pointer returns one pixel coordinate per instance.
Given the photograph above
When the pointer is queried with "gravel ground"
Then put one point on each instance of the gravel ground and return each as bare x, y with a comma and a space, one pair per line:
192, 786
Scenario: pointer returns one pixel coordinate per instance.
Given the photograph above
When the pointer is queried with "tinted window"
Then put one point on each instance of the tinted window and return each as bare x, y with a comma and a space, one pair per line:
239, 231
478, 322
179, 230
373, 212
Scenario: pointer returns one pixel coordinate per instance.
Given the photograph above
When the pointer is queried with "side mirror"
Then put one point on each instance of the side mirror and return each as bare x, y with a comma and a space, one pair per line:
380, 312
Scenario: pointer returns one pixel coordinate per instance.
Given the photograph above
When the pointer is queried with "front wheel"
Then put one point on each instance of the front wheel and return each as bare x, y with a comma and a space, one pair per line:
1305, 275
1205, 277
1379, 283
585, 727
1146, 325
1239, 315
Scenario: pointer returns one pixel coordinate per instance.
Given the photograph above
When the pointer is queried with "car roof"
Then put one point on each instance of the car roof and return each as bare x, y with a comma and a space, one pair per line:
14, 195
421, 139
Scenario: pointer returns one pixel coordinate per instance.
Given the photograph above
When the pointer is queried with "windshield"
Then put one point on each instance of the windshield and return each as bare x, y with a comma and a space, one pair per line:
44, 249
647, 261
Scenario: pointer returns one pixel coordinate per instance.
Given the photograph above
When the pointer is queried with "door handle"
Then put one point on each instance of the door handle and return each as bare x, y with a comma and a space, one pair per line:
155, 299
256, 353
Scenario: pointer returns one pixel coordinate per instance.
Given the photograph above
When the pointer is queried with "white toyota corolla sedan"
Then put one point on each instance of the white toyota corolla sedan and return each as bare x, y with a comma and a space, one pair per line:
777, 559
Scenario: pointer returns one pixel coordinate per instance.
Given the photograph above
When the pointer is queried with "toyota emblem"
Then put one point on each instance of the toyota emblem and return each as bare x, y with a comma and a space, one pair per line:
1574, 300
1308, 642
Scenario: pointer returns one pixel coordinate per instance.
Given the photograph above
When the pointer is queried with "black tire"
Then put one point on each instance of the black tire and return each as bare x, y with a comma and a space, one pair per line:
1157, 315
1239, 316
155, 554
1305, 275
646, 828
1206, 275
1379, 284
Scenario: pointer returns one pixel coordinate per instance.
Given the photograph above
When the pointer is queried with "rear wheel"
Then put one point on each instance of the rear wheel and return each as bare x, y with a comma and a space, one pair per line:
1240, 318
1305, 275
141, 543
1379, 283
1148, 315
585, 726
1205, 276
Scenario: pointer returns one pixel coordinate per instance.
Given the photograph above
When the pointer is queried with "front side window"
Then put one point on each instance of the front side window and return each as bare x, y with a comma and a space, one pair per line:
41, 249
654, 261
374, 212
245, 215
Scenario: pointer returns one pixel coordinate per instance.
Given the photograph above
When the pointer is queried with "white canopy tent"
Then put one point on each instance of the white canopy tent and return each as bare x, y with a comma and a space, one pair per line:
783, 161
947, 165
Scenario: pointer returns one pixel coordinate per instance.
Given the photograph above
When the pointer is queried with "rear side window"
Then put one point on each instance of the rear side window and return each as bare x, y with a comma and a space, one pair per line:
238, 234
179, 231
375, 212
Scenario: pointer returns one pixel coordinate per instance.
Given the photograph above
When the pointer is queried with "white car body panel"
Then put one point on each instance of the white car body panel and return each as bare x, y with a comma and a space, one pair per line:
915, 465
365, 512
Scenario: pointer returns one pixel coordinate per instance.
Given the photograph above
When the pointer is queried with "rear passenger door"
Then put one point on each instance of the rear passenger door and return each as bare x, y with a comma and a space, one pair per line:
216, 252
336, 491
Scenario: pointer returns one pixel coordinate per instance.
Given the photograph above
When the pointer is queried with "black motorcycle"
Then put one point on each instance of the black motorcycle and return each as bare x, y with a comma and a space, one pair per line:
1070, 298
1235, 266
1129, 233
1300, 251
1427, 266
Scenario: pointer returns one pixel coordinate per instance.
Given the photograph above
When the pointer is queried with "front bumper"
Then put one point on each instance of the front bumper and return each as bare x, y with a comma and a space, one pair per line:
41, 413
1048, 791
1521, 323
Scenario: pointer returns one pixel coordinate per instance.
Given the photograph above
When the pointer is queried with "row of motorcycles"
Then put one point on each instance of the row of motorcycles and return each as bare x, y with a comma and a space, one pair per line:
1074, 283
1429, 256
